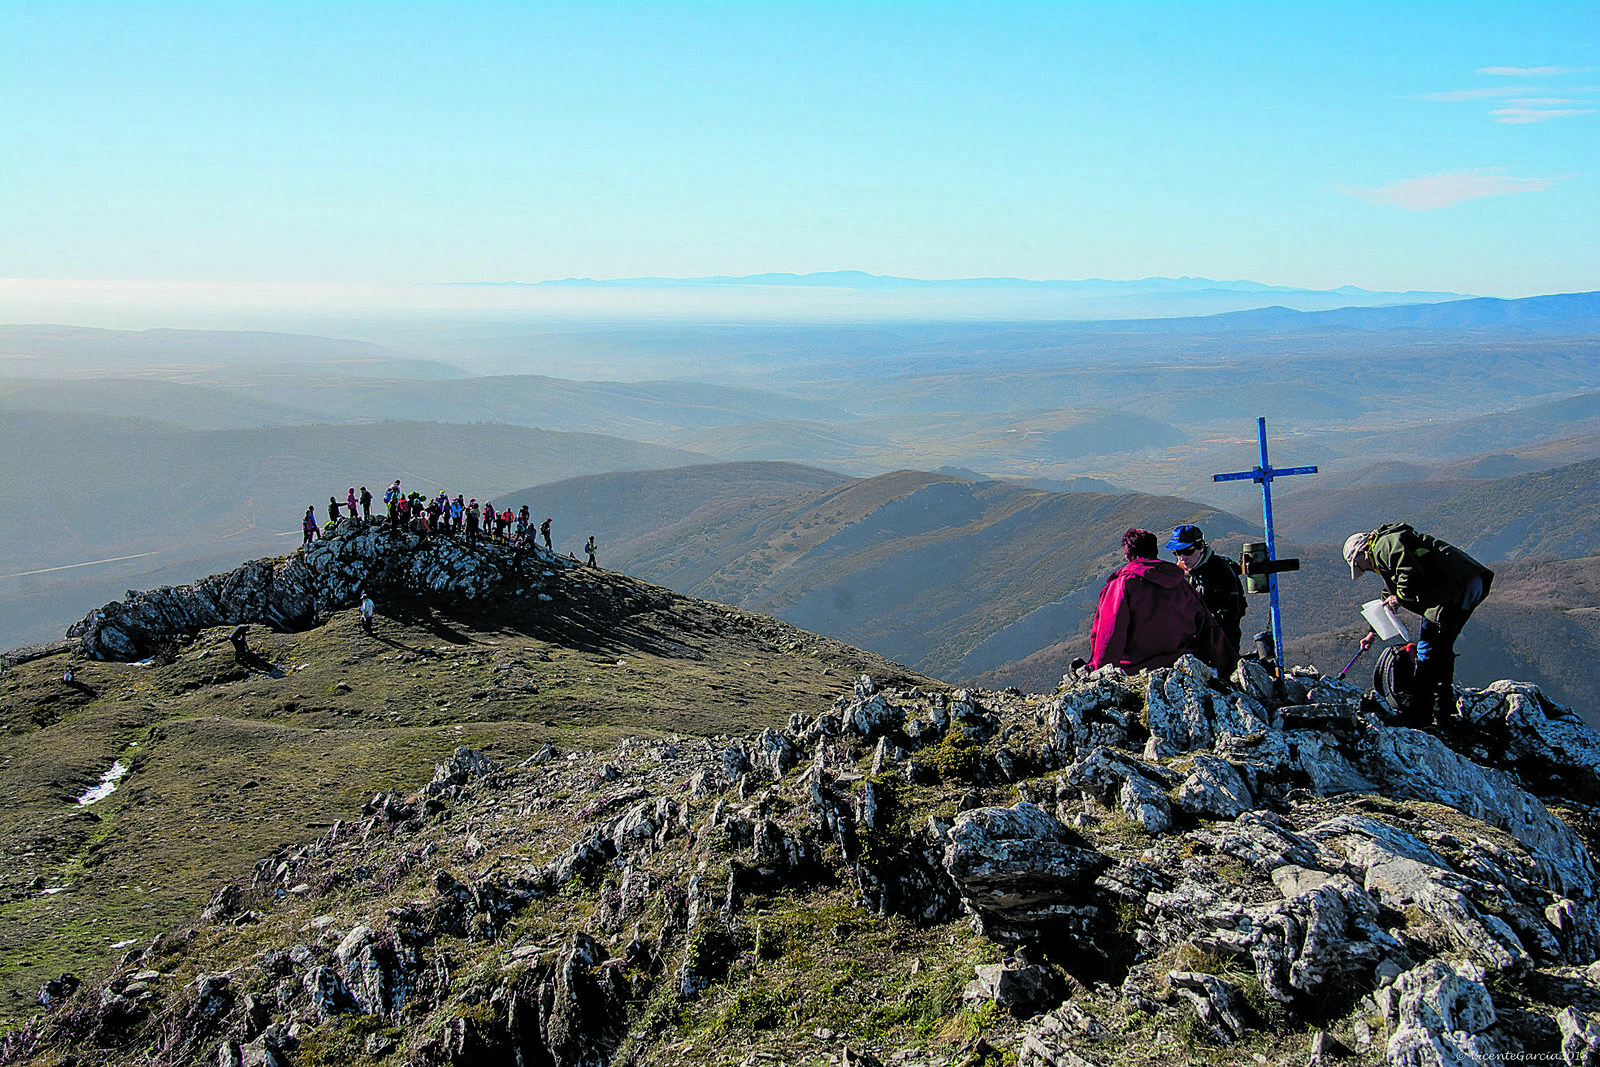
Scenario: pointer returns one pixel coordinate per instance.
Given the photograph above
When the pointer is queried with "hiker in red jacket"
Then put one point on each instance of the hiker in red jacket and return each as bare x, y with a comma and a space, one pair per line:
1149, 615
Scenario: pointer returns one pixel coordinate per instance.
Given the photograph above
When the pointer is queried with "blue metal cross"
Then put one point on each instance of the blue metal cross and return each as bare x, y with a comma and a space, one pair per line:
1263, 475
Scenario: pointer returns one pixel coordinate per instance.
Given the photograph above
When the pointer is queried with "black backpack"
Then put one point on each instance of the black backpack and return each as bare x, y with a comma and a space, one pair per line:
1392, 677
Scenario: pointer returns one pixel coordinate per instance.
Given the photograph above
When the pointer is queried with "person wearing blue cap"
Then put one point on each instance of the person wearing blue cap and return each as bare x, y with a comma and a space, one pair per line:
1214, 577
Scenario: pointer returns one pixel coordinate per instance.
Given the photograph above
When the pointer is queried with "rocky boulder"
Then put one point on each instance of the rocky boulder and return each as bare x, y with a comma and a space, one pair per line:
1019, 867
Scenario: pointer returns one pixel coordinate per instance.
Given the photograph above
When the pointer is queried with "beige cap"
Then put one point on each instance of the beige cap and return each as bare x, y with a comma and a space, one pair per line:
1355, 546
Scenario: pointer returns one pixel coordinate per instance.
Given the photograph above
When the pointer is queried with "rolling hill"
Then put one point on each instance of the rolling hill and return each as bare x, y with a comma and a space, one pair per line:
50, 351
644, 410
1548, 513
233, 759
177, 404
948, 574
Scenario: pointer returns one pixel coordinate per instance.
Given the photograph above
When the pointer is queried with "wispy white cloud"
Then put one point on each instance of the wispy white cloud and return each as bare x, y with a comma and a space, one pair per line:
1444, 190
1532, 72
1525, 104
1522, 116
1498, 92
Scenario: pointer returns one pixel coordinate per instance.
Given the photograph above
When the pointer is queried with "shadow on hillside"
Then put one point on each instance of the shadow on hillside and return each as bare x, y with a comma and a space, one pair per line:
423, 619
256, 663
596, 634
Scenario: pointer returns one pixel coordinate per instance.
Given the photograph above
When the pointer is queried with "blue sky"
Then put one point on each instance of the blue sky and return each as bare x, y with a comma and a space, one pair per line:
296, 145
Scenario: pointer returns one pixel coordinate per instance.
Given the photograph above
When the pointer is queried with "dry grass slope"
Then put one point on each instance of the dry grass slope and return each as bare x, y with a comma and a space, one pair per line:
230, 764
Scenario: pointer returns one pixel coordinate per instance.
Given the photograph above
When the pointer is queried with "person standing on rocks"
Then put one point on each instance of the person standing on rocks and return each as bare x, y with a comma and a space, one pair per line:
1214, 577
350, 501
308, 525
333, 510
1149, 616
589, 548
366, 613
544, 531
472, 521
1436, 580
366, 505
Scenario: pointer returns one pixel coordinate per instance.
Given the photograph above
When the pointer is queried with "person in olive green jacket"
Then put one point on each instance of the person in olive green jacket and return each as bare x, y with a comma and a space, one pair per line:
1435, 580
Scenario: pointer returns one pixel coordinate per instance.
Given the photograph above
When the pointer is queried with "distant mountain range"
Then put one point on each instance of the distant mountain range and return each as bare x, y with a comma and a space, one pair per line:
846, 294
1562, 313
855, 279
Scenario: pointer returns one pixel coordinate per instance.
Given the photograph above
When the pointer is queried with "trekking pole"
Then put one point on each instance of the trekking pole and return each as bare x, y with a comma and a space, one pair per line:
1352, 662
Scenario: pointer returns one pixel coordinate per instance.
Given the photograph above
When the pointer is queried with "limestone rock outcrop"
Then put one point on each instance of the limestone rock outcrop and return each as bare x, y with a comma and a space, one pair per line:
295, 591
1212, 854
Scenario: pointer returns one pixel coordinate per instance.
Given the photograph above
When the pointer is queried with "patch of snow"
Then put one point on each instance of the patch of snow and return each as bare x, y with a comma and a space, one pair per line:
107, 786
53, 890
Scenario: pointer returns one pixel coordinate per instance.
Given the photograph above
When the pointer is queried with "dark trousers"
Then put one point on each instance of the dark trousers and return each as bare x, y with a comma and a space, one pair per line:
1433, 686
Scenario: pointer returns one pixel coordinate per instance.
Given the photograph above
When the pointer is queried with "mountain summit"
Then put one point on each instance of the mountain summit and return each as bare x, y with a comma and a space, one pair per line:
550, 814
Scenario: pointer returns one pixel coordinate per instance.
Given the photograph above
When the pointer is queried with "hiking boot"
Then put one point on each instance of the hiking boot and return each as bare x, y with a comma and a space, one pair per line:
1413, 710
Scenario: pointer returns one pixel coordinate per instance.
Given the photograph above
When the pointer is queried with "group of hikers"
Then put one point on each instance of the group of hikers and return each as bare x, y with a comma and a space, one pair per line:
1151, 612
441, 514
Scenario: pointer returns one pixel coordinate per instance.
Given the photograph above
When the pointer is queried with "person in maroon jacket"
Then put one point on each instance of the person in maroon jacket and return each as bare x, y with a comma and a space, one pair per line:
1149, 615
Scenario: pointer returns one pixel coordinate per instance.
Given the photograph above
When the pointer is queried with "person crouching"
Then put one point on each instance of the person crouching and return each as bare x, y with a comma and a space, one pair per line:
1148, 615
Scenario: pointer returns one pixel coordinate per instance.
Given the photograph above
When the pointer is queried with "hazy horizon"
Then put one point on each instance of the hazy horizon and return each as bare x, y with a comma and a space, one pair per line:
831, 297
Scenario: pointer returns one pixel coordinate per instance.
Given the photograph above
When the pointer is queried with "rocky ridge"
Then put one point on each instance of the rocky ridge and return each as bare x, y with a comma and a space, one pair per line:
1163, 868
298, 591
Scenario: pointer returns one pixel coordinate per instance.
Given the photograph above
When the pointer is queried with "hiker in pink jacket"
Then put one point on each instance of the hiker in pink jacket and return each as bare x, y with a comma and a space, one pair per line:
1149, 615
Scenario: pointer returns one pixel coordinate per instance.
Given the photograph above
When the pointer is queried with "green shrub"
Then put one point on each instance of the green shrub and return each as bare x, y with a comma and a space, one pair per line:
342, 1041
754, 1007
711, 949
956, 757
